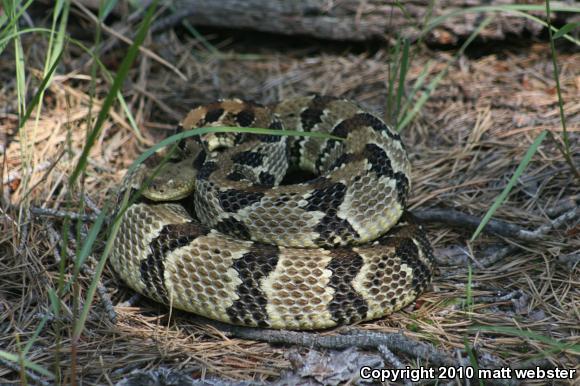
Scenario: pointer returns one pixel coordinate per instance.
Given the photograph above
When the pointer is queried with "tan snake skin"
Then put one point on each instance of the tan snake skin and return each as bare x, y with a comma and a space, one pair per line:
218, 235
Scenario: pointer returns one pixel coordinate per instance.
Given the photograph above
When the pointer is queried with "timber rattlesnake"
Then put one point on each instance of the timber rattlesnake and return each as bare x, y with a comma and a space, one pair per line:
336, 249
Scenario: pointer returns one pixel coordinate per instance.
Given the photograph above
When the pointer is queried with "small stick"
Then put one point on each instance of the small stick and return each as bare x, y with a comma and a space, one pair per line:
353, 338
462, 220
563, 205
106, 301
391, 358
493, 254
103, 295
497, 299
129, 41
16, 367
491, 258
131, 301
24, 233
62, 214
556, 223
92, 205
17, 175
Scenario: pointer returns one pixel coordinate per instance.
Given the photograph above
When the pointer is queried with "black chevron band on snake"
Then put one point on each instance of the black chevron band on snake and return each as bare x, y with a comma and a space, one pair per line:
337, 249
245, 118
312, 115
347, 306
252, 268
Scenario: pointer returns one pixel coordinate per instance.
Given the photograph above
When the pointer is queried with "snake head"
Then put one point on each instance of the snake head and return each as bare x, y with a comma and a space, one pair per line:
172, 182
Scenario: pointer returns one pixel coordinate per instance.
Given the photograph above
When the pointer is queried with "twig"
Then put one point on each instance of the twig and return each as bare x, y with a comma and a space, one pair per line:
62, 214
556, 223
172, 20
158, 26
48, 170
24, 232
17, 175
165, 376
131, 301
106, 301
92, 205
126, 40
497, 299
564, 205
163, 106
16, 367
571, 259
353, 338
494, 256
463, 220
391, 358
103, 295
384, 342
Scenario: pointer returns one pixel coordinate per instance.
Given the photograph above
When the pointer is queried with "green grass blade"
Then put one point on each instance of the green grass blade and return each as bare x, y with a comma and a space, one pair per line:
81, 165
224, 129
35, 335
553, 343
115, 87
516, 9
56, 43
472, 358
12, 20
402, 76
3, 21
41, 88
106, 73
566, 28
91, 291
8, 356
89, 242
5, 38
565, 150
503, 195
393, 67
416, 87
213, 51
130, 117
435, 82
54, 301
469, 291
20, 72
116, 223
106, 8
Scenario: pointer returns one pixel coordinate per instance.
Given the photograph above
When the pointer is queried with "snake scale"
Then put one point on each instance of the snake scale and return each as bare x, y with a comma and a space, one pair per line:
218, 232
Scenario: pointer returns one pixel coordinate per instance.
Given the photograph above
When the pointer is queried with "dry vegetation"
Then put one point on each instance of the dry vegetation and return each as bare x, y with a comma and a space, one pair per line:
466, 143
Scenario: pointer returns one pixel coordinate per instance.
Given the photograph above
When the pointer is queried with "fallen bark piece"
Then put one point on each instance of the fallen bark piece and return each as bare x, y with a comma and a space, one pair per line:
356, 20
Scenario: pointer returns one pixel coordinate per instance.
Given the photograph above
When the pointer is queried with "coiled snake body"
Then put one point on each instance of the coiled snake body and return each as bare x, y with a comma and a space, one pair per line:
336, 249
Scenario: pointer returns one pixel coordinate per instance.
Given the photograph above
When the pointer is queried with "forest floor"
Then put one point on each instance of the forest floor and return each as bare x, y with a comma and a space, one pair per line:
516, 309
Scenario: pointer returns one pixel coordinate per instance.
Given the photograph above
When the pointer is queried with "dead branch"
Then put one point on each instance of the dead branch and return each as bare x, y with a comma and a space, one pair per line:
458, 219
494, 256
29, 374
106, 301
62, 214
352, 338
353, 20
